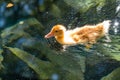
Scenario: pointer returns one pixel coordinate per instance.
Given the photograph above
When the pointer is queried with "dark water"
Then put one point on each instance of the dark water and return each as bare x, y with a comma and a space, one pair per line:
26, 55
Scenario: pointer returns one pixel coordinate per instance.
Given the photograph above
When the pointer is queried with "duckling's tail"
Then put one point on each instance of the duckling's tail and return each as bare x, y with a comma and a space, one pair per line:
106, 26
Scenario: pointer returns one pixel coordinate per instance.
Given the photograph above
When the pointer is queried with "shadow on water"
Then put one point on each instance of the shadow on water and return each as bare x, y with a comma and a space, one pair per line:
25, 53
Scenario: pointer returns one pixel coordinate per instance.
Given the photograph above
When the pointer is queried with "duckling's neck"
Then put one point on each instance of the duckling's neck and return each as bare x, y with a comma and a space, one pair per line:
65, 39
60, 39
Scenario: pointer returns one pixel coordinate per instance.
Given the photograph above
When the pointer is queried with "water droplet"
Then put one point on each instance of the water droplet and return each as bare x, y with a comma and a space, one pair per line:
55, 77
21, 22
116, 23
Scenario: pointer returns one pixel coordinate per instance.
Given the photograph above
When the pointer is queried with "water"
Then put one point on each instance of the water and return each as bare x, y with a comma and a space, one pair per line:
26, 55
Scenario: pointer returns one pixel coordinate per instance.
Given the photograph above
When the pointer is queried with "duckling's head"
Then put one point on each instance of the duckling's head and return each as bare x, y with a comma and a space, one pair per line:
57, 31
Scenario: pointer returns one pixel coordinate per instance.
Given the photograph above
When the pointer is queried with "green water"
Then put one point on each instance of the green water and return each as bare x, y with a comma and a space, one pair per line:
26, 55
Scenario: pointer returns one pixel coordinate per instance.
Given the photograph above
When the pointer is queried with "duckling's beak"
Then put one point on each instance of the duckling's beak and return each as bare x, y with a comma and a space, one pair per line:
50, 34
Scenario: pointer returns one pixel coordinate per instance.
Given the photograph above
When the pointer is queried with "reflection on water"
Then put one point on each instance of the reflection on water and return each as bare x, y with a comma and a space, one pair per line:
2, 22
116, 26
26, 55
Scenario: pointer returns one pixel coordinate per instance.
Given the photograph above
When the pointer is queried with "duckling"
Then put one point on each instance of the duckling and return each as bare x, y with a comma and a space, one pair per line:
86, 35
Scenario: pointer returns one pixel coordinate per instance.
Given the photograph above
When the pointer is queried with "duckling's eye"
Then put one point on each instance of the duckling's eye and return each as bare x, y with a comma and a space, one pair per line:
56, 31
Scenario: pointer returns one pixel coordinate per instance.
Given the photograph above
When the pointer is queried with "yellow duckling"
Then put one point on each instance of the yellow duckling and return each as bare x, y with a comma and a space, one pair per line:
86, 35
